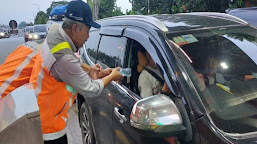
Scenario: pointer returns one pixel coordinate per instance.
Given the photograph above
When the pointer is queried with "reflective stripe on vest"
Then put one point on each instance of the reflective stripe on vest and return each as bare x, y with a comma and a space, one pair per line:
48, 60
53, 96
60, 46
27, 51
55, 135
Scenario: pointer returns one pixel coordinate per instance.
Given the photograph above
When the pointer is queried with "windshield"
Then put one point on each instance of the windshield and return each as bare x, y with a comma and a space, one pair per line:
221, 63
40, 28
29, 29
1, 29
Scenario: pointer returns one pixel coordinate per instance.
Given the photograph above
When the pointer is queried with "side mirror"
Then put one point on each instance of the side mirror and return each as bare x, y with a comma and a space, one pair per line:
157, 116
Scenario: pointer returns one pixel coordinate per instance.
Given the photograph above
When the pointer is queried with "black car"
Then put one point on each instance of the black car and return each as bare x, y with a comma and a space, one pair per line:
247, 14
201, 108
4, 33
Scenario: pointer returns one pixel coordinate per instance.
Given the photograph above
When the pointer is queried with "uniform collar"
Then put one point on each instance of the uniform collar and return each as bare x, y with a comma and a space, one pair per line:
68, 39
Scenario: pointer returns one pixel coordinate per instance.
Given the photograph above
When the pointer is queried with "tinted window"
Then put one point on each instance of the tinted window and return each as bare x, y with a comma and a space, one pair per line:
91, 45
111, 51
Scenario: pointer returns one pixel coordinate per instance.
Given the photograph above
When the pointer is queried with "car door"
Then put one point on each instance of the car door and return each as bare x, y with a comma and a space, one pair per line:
99, 107
108, 54
124, 132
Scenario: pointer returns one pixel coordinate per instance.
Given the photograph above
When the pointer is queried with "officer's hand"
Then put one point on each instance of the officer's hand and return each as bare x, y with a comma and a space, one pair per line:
116, 75
98, 66
94, 71
104, 72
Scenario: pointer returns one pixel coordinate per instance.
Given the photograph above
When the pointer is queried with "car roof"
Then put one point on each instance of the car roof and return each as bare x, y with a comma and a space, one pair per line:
241, 9
176, 22
247, 14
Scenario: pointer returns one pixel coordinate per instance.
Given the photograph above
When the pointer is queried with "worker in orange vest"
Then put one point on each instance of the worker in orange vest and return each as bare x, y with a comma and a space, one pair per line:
57, 73
16, 70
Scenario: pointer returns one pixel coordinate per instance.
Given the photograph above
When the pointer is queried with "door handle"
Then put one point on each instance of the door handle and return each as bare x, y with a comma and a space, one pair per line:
119, 115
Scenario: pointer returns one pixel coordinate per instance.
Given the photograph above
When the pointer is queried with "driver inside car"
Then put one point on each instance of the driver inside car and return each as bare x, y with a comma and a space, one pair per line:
151, 82
213, 76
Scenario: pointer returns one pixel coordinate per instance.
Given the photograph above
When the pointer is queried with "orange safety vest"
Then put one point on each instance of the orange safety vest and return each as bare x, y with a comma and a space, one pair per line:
54, 97
16, 70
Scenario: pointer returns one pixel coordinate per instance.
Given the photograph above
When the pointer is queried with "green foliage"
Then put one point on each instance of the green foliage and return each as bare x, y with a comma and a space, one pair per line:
29, 24
208, 5
176, 6
22, 24
117, 11
212, 5
41, 18
130, 12
155, 6
90, 3
106, 8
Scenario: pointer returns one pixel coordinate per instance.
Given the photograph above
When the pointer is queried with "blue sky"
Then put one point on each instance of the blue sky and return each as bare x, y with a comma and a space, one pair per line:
25, 10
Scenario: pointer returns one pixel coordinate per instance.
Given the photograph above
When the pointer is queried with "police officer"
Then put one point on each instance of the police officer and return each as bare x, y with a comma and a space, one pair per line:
57, 73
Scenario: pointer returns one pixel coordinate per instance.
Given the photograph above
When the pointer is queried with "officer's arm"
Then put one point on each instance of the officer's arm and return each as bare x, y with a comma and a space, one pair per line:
86, 67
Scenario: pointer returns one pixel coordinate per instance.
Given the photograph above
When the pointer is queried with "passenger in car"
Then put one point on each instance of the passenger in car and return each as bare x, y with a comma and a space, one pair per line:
151, 81
212, 76
148, 85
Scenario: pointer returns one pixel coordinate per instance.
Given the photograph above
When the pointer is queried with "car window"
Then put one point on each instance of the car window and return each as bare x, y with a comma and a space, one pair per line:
91, 45
40, 28
222, 64
111, 51
29, 29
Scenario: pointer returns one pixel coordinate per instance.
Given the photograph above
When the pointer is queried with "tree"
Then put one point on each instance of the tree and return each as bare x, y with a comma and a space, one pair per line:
41, 18
22, 24
212, 5
130, 12
107, 8
117, 11
29, 24
155, 6
205, 5
178, 6
90, 3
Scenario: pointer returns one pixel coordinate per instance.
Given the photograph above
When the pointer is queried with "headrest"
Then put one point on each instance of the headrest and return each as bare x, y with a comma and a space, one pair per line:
142, 61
